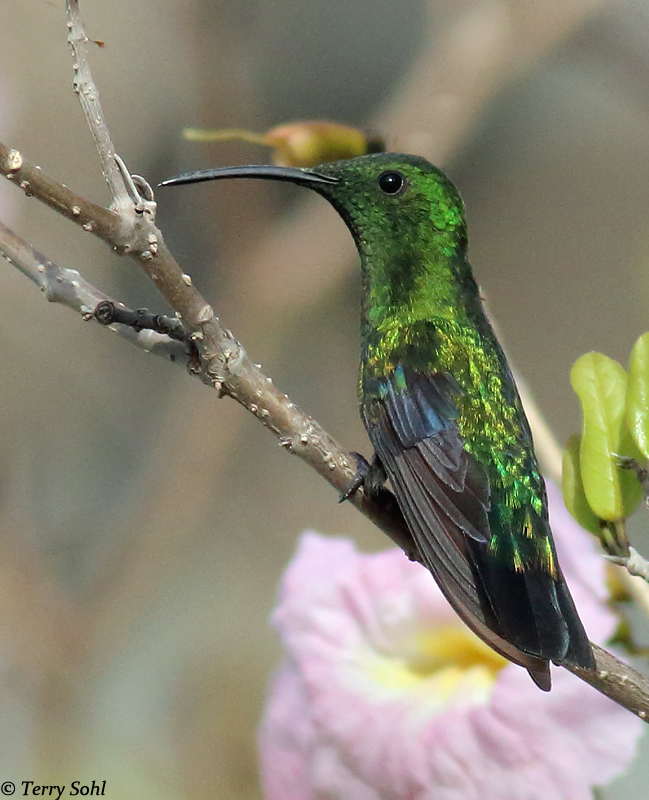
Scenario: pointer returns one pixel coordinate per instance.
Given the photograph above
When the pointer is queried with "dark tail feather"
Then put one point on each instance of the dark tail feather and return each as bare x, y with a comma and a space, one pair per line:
580, 652
541, 677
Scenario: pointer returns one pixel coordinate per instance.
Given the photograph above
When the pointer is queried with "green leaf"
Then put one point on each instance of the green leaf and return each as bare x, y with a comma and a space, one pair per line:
637, 395
573, 488
601, 384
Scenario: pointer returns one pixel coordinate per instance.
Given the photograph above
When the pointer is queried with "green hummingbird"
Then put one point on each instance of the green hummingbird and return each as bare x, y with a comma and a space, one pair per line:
442, 410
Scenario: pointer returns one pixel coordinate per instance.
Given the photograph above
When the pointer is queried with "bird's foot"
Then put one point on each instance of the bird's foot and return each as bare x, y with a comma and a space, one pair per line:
362, 471
371, 476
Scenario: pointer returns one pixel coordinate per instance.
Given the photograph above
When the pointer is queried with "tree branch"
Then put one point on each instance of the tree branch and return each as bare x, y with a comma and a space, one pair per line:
88, 95
616, 680
635, 564
224, 362
67, 287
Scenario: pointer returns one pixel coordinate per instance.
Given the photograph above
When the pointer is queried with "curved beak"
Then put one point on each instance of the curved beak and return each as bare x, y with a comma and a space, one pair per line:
263, 171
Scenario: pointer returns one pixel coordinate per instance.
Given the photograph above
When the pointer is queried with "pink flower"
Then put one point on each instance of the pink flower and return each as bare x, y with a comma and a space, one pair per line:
385, 695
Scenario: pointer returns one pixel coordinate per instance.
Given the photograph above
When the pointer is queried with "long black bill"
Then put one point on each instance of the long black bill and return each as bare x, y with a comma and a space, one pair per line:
263, 171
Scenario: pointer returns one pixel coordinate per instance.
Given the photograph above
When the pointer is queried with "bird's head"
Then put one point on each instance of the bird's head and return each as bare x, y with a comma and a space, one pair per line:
383, 197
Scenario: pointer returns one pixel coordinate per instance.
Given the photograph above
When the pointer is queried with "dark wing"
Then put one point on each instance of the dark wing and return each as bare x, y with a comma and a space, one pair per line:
445, 496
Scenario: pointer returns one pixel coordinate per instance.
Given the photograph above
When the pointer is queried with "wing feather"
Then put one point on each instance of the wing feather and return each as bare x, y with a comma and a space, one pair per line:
445, 496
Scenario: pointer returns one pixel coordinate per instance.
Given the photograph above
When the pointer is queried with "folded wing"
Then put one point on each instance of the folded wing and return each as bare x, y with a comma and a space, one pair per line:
451, 508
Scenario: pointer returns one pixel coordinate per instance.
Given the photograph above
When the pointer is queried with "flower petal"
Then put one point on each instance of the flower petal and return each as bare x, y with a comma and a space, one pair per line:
366, 708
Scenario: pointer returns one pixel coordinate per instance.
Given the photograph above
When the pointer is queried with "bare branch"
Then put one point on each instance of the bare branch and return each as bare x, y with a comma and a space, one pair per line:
67, 287
141, 240
86, 90
634, 563
618, 681
91, 217
226, 365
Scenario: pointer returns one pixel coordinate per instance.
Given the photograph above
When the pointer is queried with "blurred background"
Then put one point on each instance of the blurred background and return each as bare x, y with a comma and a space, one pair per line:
144, 524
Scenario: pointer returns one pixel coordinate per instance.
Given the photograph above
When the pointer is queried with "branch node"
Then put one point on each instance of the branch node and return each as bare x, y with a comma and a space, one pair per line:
138, 189
144, 187
13, 162
634, 563
205, 314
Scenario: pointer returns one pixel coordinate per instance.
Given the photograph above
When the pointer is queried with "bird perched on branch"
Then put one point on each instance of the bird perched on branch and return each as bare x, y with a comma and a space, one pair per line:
441, 408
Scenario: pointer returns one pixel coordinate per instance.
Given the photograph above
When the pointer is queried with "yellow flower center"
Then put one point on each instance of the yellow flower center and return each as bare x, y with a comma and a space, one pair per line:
445, 665
450, 646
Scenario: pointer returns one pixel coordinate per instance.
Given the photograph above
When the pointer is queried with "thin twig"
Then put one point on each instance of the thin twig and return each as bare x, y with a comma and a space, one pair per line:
107, 312
88, 95
141, 240
642, 473
67, 287
634, 563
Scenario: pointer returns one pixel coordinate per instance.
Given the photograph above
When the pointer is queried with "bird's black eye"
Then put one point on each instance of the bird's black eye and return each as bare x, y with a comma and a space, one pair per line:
391, 182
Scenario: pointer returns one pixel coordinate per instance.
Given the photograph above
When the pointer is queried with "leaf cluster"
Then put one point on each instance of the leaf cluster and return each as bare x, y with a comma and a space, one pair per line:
604, 465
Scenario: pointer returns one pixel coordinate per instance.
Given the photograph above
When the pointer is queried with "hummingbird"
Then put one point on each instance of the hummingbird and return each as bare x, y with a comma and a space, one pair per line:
441, 408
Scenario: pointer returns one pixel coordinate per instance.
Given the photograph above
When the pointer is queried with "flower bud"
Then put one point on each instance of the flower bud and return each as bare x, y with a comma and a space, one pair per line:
305, 143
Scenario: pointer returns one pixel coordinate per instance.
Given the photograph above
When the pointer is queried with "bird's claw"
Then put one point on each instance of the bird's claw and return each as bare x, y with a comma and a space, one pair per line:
370, 475
362, 471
